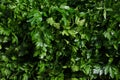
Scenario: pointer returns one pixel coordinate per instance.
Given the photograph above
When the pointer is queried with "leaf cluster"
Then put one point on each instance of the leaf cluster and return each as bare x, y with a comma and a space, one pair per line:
59, 40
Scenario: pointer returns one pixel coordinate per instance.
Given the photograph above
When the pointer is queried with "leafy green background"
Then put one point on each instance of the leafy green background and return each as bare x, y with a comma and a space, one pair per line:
59, 40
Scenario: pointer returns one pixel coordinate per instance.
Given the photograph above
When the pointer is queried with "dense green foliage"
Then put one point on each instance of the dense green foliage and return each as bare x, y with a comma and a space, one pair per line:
59, 39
